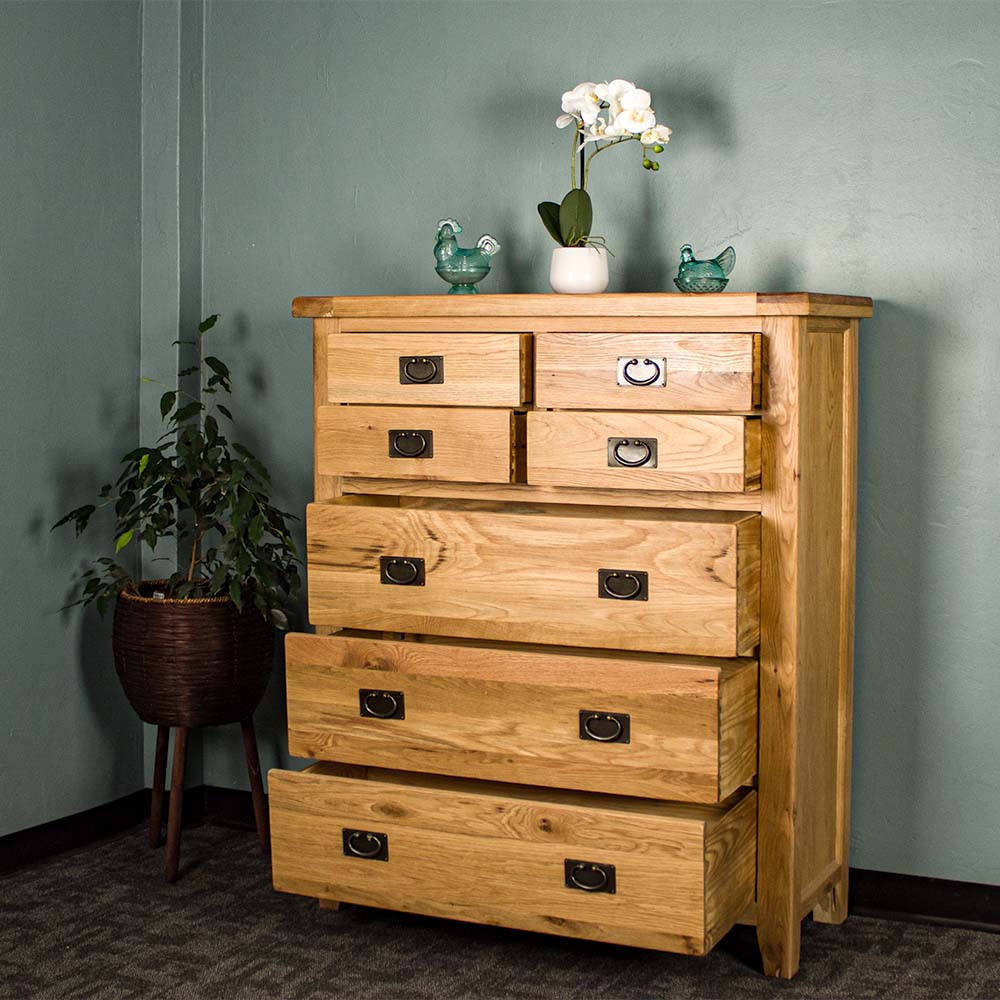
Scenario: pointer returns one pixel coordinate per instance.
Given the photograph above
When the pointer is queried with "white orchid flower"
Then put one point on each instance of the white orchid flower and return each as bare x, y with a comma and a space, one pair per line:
635, 121
663, 133
582, 101
635, 100
649, 137
595, 133
613, 92
563, 120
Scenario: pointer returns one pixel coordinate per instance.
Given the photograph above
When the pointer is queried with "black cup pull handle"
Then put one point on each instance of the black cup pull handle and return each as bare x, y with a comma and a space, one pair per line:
614, 728
633, 586
408, 444
647, 453
401, 571
641, 381
429, 362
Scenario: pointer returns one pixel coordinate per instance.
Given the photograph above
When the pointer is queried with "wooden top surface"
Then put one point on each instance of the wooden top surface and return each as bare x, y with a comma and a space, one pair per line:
610, 305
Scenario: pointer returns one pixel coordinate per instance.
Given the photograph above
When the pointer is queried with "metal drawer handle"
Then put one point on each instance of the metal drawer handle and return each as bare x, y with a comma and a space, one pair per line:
590, 876
371, 699
641, 381
402, 572
610, 737
632, 582
366, 844
429, 363
407, 444
647, 453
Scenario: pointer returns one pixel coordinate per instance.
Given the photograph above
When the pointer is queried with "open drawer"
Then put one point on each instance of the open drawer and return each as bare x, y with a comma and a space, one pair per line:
667, 876
663, 727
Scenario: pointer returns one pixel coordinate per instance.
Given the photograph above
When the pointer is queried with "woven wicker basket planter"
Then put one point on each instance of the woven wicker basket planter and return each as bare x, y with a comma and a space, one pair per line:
195, 662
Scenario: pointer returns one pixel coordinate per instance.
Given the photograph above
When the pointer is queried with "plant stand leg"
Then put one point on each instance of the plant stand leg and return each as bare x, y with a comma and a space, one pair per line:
176, 805
256, 786
159, 783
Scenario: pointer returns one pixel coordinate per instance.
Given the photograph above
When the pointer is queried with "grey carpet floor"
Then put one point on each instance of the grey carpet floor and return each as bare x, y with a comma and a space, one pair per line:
99, 923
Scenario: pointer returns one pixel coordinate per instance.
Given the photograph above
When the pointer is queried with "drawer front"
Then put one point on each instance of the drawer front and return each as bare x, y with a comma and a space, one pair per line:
644, 451
410, 442
443, 369
648, 371
670, 877
688, 580
657, 727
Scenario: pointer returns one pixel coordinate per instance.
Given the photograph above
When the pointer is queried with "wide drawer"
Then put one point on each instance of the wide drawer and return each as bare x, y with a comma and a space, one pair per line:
647, 451
443, 369
688, 580
673, 877
647, 371
635, 724
409, 442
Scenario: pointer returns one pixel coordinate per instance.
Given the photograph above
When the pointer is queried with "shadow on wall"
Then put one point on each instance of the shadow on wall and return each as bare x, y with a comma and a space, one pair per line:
893, 668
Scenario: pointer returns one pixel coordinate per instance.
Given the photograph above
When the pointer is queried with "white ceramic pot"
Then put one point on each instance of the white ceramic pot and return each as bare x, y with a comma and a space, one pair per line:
577, 270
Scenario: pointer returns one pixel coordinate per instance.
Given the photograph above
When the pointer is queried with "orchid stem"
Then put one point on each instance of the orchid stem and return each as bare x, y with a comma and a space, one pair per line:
600, 149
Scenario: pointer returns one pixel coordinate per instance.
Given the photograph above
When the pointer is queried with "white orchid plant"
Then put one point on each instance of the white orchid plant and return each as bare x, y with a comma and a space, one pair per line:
602, 115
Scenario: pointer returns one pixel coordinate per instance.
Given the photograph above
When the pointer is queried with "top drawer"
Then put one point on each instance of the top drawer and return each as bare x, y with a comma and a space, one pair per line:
648, 371
446, 369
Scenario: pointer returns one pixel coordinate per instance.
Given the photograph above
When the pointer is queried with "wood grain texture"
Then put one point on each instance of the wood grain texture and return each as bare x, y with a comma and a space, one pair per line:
730, 867
531, 573
677, 499
704, 371
630, 304
778, 917
325, 487
695, 452
469, 445
513, 715
495, 854
480, 369
833, 905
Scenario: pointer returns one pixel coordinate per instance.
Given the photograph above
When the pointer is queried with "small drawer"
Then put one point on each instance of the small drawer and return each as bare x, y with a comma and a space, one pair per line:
637, 724
673, 877
410, 442
441, 369
663, 581
648, 371
644, 451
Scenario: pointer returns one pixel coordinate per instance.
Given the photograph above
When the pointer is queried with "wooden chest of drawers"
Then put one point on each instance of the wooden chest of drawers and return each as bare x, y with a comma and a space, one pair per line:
582, 573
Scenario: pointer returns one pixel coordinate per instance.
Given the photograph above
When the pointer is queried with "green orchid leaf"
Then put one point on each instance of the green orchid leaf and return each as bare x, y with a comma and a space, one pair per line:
576, 216
549, 213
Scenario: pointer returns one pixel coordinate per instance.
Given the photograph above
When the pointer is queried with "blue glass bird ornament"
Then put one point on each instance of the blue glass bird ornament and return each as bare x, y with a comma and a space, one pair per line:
704, 275
462, 267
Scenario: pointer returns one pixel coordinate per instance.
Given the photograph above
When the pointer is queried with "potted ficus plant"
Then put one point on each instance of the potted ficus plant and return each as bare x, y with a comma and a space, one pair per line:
196, 647
602, 116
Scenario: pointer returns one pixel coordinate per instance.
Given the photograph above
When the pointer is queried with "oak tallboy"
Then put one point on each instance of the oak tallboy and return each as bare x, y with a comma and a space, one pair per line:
582, 575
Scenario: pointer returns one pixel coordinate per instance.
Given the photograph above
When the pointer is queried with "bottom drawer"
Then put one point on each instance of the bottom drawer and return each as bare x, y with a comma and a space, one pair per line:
672, 877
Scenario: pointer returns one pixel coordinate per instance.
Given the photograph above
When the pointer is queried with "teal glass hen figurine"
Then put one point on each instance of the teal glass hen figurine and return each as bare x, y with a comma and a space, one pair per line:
462, 267
704, 275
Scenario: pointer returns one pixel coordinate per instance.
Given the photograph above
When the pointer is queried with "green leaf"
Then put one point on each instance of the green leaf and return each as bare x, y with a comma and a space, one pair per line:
236, 594
217, 366
224, 411
549, 213
206, 324
143, 462
167, 401
187, 371
123, 539
188, 411
576, 216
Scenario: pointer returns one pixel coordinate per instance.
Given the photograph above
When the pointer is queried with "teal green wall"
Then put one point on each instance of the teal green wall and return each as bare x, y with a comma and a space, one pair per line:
842, 147
69, 300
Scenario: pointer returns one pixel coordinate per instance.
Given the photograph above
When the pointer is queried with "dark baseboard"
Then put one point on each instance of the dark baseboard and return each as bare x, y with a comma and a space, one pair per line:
872, 894
927, 900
